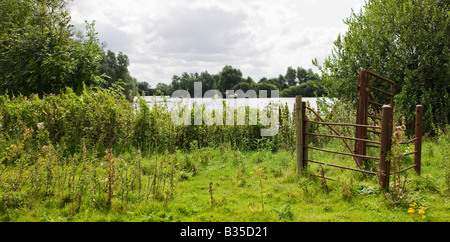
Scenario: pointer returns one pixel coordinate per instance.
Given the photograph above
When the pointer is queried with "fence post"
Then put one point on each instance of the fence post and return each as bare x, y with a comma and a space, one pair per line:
299, 133
385, 147
305, 137
418, 136
361, 115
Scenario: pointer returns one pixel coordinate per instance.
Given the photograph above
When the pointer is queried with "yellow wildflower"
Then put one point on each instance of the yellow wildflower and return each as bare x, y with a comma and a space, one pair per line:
411, 210
421, 211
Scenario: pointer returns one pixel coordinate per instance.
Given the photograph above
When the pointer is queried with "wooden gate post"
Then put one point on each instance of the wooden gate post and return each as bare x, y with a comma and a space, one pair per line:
299, 133
418, 136
385, 147
362, 115
305, 136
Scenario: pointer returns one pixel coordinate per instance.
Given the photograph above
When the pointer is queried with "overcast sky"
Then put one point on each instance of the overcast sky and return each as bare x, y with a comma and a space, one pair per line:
262, 38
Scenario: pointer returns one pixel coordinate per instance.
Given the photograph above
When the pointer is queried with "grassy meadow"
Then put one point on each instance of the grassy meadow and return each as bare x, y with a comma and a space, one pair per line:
94, 157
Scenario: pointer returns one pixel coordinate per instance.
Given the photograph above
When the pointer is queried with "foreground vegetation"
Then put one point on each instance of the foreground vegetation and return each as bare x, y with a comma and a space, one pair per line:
217, 184
94, 157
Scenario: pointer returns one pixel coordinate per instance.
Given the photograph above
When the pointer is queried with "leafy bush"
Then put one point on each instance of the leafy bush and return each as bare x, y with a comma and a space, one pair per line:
97, 119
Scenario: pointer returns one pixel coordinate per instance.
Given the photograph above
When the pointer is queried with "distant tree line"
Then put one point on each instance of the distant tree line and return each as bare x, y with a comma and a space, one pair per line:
295, 82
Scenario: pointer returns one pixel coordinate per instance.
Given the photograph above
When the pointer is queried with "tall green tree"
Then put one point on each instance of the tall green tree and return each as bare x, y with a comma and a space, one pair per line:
279, 82
166, 89
291, 76
408, 42
187, 82
123, 74
302, 75
264, 86
108, 67
40, 52
209, 82
144, 89
228, 78
114, 69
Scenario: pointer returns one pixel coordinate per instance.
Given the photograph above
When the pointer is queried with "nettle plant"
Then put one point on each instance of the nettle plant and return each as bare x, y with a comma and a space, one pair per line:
397, 190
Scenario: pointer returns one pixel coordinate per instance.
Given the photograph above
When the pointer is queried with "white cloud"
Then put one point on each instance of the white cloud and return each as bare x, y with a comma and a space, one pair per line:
260, 37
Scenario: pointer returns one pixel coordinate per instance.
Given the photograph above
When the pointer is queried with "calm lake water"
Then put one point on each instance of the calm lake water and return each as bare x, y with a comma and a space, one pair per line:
217, 104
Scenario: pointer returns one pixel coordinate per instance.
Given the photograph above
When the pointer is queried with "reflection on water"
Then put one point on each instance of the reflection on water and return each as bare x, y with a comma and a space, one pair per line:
217, 104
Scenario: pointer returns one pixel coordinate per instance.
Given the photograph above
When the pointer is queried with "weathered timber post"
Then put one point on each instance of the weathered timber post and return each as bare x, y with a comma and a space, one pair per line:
362, 114
299, 133
418, 141
385, 147
305, 136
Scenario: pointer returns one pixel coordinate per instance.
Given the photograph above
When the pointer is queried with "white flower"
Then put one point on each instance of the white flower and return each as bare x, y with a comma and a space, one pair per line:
40, 125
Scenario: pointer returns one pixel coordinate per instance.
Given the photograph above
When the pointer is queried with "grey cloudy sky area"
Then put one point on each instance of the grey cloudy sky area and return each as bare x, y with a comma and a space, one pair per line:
262, 38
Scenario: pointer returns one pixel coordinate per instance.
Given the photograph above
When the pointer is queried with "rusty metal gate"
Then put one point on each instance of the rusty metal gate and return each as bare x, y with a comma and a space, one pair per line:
376, 106
370, 106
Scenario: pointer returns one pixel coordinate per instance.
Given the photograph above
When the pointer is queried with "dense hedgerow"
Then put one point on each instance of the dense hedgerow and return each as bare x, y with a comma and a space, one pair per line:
97, 120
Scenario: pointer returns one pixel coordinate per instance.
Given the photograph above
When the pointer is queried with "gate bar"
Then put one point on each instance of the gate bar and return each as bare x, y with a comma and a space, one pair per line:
350, 138
381, 77
377, 89
376, 103
324, 177
407, 142
400, 171
343, 124
341, 153
343, 167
